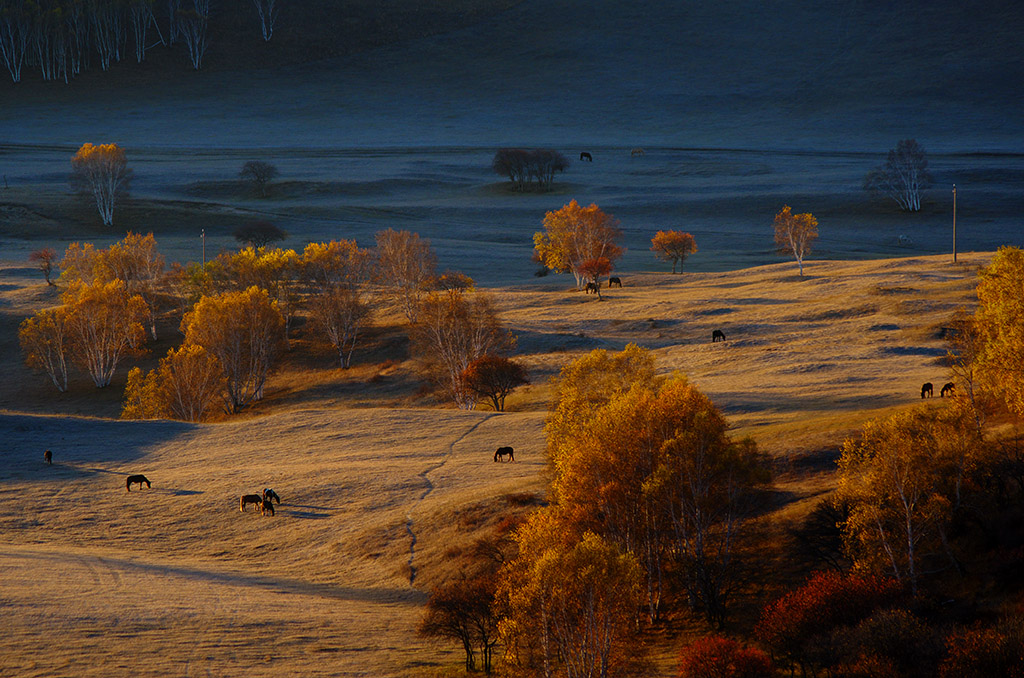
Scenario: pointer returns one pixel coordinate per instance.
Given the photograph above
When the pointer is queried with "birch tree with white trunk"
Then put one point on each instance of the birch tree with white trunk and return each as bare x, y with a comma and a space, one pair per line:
192, 27
15, 28
103, 170
903, 176
267, 11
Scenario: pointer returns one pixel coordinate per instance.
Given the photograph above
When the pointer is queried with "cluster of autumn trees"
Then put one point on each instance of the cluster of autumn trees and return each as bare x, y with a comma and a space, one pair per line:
62, 38
236, 314
650, 502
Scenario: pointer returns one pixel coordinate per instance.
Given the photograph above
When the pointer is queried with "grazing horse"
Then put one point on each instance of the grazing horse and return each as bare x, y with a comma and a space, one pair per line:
502, 452
614, 281
948, 388
586, 156
136, 479
249, 499
717, 335
266, 506
591, 287
269, 494
48, 458
926, 389
635, 152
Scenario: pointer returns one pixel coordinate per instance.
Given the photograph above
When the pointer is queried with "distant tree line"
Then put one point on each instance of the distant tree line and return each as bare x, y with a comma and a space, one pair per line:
62, 38
529, 169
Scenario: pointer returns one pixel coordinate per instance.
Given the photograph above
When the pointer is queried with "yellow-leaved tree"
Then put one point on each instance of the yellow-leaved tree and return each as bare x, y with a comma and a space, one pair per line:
903, 481
46, 344
244, 331
103, 171
575, 234
568, 602
1000, 321
185, 386
794, 234
104, 324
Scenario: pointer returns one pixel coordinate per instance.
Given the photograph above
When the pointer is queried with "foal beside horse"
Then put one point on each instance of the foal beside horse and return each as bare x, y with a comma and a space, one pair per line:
502, 452
136, 479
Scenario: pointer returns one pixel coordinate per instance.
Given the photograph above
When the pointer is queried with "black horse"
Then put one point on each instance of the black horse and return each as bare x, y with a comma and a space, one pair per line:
717, 335
614, 281
947, 389
502, 452
48, 458
591, 287
926, 390
136, 479
255, 499
586, 156
269, 494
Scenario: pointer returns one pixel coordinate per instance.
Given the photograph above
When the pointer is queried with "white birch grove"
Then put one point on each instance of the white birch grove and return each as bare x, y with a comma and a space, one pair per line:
109, 30
15, 27
140, 16
104, 326
903, 176
45, 342
267, 11
192, 27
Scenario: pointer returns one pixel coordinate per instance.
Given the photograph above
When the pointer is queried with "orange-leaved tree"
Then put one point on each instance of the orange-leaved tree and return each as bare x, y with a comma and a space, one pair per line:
593, 269
104, 325
673, 246
654, 472
103, 171
721, 657
185, 386
575, 234
494, 377
46, 344
794, 234
245, 332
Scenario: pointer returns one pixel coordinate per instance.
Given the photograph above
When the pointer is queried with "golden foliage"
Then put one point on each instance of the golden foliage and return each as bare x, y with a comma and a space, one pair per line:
794, 234
46, 344
673, 246
575, 234
104, 325
245, 332
184, 386
1000, 321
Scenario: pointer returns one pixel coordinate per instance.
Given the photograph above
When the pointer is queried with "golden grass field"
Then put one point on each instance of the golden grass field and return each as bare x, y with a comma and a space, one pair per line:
174, 580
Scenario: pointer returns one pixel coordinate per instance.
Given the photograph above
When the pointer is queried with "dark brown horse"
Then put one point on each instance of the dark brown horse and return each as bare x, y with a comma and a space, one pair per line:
717, 335
269, 494
614, 281
947, 389
266, 506
502, 452
48, 458
927, 390
136, 479
586, 156
254, 499
591, 287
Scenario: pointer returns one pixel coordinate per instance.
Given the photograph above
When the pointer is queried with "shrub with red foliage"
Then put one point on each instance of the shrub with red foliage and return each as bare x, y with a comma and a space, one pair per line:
801, 621
720, 657
985, 653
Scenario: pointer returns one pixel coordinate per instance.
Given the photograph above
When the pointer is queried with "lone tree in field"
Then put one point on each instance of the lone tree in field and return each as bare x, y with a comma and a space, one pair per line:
903, 176
494, 377
259, 234
259, 174
574, 235
104, 171
45, 259
794, 234
673, 246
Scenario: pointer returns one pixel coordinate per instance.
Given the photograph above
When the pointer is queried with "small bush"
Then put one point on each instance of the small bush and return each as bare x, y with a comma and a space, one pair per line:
720, 657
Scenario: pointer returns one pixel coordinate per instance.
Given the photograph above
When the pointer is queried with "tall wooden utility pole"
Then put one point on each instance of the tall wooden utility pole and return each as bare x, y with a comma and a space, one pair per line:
203, 236
954, 223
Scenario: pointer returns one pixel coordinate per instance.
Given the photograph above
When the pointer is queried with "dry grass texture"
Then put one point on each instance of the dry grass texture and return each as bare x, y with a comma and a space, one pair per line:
174, 580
